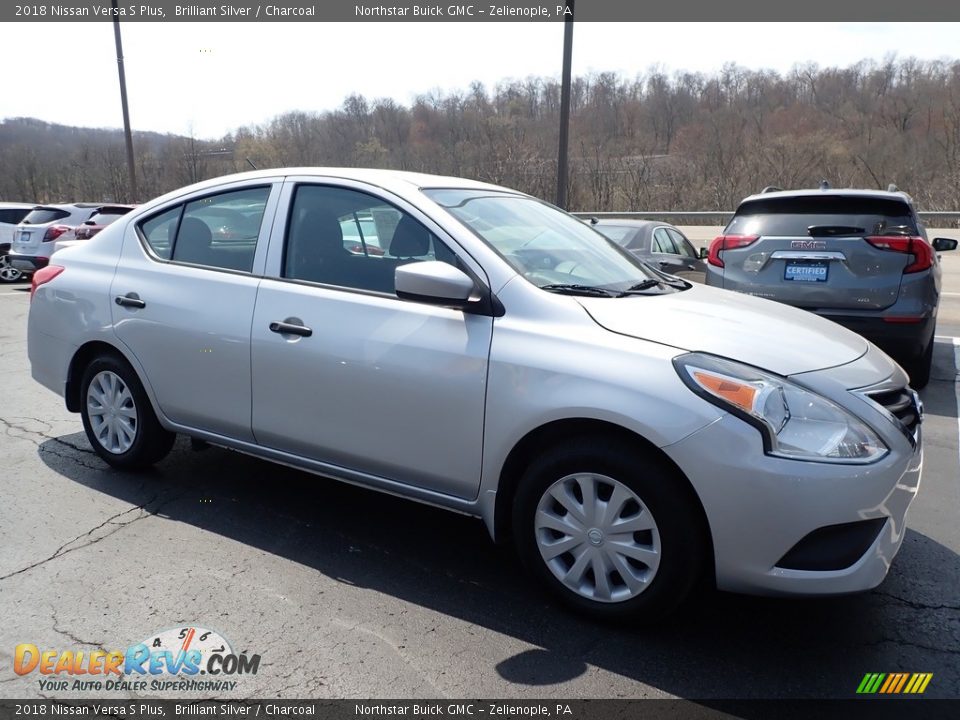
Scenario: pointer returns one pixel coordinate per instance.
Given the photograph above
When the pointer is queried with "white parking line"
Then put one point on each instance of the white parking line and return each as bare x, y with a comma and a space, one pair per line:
950, 294
14, 294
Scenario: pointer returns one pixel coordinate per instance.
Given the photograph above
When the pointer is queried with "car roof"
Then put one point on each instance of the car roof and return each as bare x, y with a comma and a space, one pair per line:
838, 192
399, 181
16, 206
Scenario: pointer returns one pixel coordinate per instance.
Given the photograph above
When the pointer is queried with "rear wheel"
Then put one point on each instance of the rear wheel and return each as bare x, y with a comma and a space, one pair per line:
610, 531
8, 273
919, 368
118, 418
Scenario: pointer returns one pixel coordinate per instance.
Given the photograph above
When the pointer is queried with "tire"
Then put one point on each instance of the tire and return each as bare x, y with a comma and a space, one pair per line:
8, 273
650, 566
118, 418
919, 368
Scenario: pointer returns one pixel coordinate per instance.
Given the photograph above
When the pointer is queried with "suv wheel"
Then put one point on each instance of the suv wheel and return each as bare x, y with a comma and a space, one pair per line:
8, 273
612, 532
118, 418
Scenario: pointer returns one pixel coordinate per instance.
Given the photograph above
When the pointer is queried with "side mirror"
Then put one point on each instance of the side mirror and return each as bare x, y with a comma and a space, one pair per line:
433, 282
944, 244
704, 253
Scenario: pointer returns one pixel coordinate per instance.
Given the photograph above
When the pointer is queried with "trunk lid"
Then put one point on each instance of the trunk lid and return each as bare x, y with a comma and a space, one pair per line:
811, 251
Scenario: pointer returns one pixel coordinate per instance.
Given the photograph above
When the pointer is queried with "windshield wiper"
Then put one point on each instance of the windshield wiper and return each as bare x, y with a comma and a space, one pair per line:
573, 289
641, 287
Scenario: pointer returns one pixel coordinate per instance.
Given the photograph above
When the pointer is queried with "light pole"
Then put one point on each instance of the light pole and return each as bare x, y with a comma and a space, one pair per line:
565, 109
131, 167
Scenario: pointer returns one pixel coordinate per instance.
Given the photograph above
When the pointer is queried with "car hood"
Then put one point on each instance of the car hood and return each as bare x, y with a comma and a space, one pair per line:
762, 333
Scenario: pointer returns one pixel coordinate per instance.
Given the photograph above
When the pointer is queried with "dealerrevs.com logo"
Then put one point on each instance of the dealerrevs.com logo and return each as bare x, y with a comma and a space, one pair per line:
168, 661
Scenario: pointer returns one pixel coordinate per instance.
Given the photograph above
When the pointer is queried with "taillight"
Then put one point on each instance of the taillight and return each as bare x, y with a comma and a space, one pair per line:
728, 242
919, 248
43, 276
54, 231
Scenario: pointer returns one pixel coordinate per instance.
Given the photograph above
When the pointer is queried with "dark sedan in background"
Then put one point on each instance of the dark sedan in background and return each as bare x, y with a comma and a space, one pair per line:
658, 243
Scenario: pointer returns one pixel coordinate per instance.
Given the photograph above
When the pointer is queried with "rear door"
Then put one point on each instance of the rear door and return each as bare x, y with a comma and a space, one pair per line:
183, 297
812, 251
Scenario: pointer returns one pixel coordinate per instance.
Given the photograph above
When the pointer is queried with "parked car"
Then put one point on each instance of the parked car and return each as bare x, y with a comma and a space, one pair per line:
33, 238
101, 217
630, 432
10, 216
858, 257
658, 243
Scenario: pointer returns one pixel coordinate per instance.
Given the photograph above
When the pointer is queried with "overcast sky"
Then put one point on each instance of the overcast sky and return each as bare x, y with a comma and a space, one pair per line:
210, 78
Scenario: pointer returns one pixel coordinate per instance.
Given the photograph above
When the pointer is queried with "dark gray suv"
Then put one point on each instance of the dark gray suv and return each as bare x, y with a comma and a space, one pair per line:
858, 257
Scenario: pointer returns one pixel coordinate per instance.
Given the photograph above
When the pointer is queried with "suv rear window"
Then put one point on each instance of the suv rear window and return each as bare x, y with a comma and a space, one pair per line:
43, 215
791, 216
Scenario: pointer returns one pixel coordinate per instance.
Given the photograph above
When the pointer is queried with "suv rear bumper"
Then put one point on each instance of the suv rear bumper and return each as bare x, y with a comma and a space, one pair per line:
901, 340
28, 263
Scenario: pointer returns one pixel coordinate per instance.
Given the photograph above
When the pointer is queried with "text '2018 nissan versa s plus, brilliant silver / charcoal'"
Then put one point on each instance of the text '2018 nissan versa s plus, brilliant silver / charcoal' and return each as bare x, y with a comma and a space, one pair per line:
469, 346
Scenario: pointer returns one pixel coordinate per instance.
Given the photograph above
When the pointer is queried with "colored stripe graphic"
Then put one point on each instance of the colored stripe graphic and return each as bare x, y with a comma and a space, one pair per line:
894, 683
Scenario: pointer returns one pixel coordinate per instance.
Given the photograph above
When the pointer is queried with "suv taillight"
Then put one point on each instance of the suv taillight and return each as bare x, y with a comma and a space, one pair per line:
918, 247
728, 242
43, 276
54, 231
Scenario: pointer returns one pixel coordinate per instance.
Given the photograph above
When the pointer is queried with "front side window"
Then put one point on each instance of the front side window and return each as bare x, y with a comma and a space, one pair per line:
550, 248
348, 238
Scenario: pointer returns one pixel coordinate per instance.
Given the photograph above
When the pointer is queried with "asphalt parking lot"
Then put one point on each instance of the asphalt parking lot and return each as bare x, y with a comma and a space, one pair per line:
344, 592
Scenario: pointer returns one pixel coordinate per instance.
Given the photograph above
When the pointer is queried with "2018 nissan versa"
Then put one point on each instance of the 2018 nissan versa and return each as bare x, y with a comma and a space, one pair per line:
630, 432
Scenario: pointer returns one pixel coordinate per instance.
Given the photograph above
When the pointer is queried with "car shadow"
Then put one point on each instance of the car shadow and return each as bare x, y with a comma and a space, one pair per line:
719, 645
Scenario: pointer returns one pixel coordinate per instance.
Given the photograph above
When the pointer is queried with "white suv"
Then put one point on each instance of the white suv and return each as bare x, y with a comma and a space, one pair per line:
10, 216
33, 238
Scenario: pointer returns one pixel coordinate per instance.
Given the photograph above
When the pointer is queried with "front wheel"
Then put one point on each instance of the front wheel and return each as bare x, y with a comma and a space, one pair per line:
118, 418
612, 532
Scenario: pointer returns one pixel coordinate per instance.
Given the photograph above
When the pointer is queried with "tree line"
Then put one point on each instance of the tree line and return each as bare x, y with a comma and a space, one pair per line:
657, 141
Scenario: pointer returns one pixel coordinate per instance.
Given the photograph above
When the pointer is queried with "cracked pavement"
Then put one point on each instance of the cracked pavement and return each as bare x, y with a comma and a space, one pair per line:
345, 593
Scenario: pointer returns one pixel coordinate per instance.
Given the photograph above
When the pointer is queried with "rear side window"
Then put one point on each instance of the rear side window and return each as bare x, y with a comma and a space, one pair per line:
792, 216
12, 216
662, 243
218, 231
160, 230
44, 215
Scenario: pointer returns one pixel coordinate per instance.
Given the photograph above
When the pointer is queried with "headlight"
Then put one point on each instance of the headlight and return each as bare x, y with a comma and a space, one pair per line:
795, 422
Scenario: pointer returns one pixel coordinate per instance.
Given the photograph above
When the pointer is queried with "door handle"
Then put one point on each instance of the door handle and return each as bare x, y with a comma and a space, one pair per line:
130, 300
290, 329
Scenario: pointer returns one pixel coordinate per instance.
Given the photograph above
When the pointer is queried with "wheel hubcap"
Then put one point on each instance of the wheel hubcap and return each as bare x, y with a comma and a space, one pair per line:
112, 412
8, 273
597, 537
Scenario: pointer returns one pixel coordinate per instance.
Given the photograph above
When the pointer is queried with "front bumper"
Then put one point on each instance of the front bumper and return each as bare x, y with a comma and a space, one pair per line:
760, 508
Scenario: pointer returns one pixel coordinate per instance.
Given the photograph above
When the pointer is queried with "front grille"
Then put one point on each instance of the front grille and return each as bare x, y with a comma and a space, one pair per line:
903, 404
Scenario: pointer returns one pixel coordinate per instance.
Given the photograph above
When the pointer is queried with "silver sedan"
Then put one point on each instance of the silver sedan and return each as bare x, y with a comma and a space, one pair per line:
472, 347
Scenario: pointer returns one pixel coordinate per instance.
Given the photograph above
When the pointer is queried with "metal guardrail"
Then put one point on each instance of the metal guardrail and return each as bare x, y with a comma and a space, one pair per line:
724, 215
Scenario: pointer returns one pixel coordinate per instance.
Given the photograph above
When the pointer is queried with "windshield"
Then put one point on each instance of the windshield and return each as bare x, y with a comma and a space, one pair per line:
549, 248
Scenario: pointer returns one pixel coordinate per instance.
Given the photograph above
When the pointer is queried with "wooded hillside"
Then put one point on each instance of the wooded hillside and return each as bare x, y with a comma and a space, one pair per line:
653, 142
